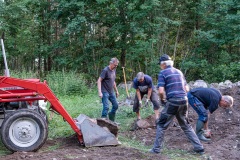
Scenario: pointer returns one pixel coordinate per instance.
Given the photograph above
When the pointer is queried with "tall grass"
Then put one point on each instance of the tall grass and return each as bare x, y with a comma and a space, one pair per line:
67, 83
60, 82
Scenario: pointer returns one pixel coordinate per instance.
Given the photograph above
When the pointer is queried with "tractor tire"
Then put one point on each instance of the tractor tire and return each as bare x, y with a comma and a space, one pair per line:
24, 130
43, 114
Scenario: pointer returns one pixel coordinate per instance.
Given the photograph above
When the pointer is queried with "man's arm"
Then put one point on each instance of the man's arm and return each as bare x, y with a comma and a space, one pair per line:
138, 94
99, 82
161, 93
186, 88
115, 88
149, 93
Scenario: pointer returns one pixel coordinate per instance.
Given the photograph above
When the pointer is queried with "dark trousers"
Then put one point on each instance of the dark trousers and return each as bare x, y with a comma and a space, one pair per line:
175, 107
153, 98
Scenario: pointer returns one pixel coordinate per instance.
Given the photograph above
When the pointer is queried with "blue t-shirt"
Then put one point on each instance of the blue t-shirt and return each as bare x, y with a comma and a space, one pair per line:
210, 97
143, 86
173, 82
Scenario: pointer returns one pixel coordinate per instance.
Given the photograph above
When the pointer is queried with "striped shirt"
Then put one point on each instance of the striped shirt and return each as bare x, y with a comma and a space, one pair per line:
173, 82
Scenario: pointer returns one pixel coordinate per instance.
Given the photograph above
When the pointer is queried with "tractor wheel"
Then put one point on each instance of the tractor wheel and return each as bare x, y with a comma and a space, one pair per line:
24, 130
43, 114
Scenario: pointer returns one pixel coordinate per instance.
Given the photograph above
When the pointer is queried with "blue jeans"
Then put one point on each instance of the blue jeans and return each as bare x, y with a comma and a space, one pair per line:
112, 98
198, 107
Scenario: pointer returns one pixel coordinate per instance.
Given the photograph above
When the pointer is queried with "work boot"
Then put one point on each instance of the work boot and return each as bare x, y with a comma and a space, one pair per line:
200, 152
111, 116
200, 132
153, 152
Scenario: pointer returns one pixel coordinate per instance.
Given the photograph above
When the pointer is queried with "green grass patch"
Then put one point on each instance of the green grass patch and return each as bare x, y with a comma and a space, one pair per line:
176, 154
132, 143
3, 150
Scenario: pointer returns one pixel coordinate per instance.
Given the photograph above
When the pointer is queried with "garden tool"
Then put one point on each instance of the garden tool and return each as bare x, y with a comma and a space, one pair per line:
128, 99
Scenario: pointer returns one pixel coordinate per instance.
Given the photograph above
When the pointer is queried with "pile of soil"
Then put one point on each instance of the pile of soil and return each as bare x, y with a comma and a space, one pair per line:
225, 129
225, 144
69, 149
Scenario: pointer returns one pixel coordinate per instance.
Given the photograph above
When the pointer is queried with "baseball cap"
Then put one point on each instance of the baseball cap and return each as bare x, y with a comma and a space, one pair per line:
164, 57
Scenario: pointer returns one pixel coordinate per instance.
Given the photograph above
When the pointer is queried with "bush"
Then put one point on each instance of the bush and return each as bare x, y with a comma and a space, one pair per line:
67, 83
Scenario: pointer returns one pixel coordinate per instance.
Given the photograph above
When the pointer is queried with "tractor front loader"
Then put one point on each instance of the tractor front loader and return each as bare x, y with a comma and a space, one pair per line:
24, 124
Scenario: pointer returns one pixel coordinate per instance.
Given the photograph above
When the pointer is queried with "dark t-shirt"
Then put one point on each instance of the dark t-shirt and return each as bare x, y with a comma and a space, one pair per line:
143, 86
210, 97
108, 77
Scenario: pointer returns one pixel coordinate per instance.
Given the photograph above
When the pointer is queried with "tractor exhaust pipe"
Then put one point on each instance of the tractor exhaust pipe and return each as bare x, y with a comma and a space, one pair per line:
6, 72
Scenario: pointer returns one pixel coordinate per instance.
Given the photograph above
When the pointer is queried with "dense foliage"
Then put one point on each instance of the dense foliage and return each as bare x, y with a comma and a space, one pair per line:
203, 36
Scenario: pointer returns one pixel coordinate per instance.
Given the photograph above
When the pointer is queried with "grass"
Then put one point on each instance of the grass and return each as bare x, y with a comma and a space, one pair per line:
3, 150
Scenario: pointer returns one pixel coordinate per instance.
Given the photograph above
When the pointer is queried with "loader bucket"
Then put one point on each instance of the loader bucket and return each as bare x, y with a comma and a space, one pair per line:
93, 134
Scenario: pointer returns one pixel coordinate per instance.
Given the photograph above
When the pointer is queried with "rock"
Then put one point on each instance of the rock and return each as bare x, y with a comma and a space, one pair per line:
111, 126
238, 84
146, 123
142, 124
129, 85
214, 85
228, 88
200, 84
190, 84
226, 84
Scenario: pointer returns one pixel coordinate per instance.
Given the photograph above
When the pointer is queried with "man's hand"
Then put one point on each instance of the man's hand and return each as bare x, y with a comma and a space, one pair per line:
100, 94
147, 100
117, 94
207, 133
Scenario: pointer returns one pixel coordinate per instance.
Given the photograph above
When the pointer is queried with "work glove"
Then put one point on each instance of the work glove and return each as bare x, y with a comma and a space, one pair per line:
147, 102
163, 102
140, 104
207, 133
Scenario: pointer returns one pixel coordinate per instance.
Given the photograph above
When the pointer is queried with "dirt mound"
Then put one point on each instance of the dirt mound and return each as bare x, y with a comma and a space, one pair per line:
69, 149
225, 129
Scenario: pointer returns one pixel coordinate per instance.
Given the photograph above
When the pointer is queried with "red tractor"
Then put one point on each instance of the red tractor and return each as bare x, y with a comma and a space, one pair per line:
24, 124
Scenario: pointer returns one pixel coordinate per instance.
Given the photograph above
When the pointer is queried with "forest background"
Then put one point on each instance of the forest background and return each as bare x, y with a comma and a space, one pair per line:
80, 36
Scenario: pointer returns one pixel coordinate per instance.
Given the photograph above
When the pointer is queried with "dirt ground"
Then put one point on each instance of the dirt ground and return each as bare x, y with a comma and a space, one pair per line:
225, 145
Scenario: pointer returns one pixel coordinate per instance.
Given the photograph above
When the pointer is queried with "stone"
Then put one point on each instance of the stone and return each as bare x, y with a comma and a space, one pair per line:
214, 85
228, 88
108, 125
200, 84
190, 84
143, 124
128, 83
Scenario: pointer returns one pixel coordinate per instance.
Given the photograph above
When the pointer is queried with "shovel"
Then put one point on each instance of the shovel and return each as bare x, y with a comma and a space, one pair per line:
128, 100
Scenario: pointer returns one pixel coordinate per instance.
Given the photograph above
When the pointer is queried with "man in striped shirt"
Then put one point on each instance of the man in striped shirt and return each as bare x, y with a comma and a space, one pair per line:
172, 83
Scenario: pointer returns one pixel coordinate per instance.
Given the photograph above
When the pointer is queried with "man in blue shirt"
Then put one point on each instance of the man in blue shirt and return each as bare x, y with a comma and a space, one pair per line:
106, 86
202, 100
144, 85
172, 81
